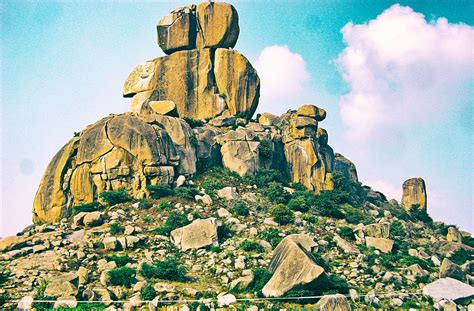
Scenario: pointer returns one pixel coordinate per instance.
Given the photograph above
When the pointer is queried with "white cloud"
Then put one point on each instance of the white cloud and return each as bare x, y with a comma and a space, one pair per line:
402, 70
283, 75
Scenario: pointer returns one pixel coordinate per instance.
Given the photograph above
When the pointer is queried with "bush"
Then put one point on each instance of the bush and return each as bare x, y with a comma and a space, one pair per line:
124, 276
160, 191
116, 228
211, 184
215, 249
169, 269
144, 204
224, 232
418, 214
263, 177
250, 246
240, 208
193, 122
271, 235
275, 193
186, 193
120, 260
148, 292
174, 220
148, 218
468, 240
260, 277
164, 205
347, 233
321, 262
298, 204
336, 285
397, 230
88, 207
282, 214
460, 256
115, 197
327, 203
4, 275
353, 215
265, 149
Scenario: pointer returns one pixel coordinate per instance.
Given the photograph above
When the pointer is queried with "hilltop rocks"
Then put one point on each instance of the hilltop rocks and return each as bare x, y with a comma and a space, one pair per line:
345, 166
451, 270
237, 81
414, 193
177, 30
200, 233
335, 302
292, 266
448, 288
454, 235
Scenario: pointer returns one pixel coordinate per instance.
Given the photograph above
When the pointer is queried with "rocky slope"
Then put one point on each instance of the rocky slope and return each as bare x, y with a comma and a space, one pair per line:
187, 197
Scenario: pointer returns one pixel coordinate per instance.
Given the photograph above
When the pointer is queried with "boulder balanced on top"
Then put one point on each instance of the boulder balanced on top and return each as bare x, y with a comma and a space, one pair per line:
202, 75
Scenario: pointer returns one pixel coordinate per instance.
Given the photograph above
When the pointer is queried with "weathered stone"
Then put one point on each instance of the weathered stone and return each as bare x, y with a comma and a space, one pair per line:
11, 242
292, 266
218, 25
177, 30
65, 302
93, 219
61, 284
344, 165
225, 299
269, 119
451, 270
448, 288
414, 193
207, 150
200, 233
454, 235
335, 302
241, 157
228, 193
384, 245
165, 107
110, 243
25, 303
312, 111
346, 246
242, 283
238, 81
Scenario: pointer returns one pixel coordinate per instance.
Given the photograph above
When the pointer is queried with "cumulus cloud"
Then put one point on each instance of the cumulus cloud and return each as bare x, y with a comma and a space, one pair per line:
402, 69
283, 75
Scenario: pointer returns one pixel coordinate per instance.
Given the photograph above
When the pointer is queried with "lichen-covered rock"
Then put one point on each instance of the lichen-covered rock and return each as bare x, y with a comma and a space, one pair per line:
165, 107
414, 193
335, 302
454, 235
344, 165
200, 233
177, 30
292, 266
312, 111
237, 81
449, 269
384, 245
217, 24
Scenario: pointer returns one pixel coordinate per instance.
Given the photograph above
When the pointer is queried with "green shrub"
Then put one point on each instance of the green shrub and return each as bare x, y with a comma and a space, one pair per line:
271, 235
336, 285
4, 275
124, 276
224, 232
193, 122
115, 197
174, 220
321, 262
215, 249
148, 292
327, 203
169, 269
144, 204
460, 256
418, 214
240, 208
164, 205
160, 191
468, 240
282, 214
265, 149
354, 215
263, 177
120, 260
347, 233
298, 204
186, 193
211, 184
397, 230
250, 246
275, 193
88, 207
148, 218
40, 290
116, 228
260, 277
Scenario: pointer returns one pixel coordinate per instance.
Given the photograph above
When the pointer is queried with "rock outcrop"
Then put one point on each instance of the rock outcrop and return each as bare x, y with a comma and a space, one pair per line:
292, 266
414, 193
200, 233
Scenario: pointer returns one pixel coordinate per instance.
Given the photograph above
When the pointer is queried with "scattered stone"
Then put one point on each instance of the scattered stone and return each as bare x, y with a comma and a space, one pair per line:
225, 299
180, 181
200, 233
384, 245
228, 193
333, 302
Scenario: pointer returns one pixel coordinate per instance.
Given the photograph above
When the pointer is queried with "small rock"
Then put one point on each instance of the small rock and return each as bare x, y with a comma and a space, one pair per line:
225, 299
180, 181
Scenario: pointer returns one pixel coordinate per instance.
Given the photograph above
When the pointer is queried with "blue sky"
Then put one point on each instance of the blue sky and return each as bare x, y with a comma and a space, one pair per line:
401, 112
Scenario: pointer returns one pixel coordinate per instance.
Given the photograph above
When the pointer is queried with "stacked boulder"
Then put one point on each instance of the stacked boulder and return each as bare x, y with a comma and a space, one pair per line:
191, 110
202, 76
414, 193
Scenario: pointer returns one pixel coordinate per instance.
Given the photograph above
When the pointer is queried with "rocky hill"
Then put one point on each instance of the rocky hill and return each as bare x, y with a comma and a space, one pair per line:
188, 201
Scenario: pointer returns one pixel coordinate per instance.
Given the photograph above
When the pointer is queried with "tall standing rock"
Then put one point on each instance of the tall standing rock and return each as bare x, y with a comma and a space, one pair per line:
217, 25
414, 193
177, 30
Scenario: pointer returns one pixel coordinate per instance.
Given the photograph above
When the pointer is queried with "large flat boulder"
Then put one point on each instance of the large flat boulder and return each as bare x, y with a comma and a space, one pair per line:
384, 245
292, 266
198, 234
448, 288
